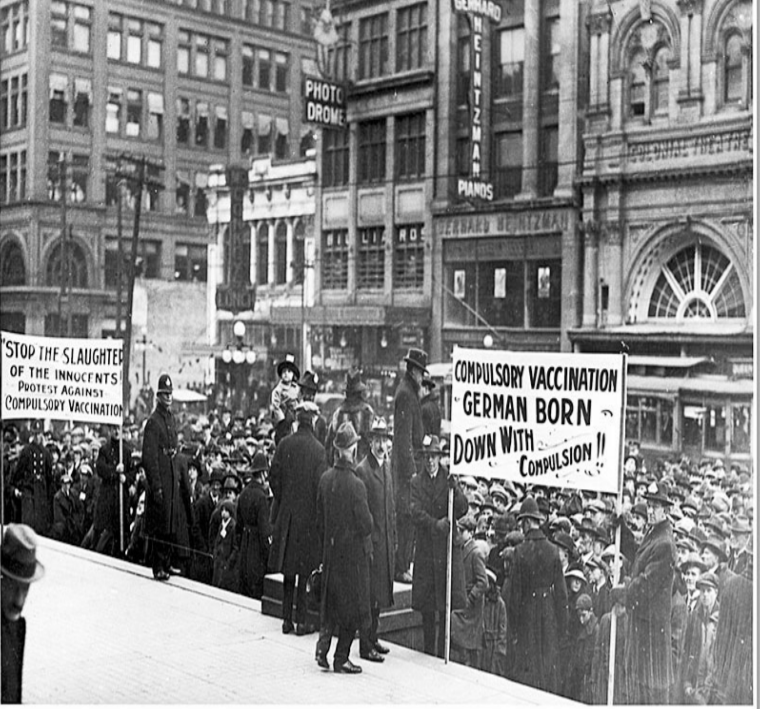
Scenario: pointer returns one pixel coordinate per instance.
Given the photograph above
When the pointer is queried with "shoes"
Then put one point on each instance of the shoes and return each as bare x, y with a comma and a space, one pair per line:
287, 627
382, 649
161, 575
347, 668
373, 656
304, 629
322, 661
406, 577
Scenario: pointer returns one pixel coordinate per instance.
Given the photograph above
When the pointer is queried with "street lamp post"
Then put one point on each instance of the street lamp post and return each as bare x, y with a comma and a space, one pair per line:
238, 356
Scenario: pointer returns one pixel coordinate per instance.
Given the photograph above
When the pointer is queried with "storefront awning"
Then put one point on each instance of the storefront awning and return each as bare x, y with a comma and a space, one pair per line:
672, 386
355, 315
665, 362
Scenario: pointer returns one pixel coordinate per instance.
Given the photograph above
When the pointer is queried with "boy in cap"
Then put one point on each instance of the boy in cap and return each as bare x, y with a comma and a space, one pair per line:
577, 680
19, 568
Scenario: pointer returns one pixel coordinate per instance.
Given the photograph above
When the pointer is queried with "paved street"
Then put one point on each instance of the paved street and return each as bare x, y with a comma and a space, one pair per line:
101, 631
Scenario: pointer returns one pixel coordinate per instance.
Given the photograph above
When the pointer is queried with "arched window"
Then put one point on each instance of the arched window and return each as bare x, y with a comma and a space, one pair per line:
262, 254
56, 265
699, 282
637, 84
281, 253
12, 268
661, 81
733, 85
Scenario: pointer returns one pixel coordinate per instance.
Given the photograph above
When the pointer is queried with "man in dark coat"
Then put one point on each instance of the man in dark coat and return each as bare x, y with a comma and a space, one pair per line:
297, 465
19, 568
357, 410
167, 489
33, 482
431, 410
538, 603
648, 655
309, 383
344, 523
68, 514
202, 564
374, 471
430, 514
113, 475
406, 456
253, 529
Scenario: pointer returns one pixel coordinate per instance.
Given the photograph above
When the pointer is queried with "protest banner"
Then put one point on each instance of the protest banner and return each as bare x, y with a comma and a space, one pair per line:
538, 418
62, 379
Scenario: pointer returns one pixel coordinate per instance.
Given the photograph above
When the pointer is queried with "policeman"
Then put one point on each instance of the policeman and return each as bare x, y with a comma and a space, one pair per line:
33, 482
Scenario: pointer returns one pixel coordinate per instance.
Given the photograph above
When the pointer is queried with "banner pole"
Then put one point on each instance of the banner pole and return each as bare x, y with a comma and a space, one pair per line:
121, 487
449, 555
616, 562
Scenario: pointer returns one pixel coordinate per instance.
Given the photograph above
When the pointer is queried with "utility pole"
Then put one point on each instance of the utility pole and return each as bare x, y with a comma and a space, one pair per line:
65, 266
136, 174
119, 253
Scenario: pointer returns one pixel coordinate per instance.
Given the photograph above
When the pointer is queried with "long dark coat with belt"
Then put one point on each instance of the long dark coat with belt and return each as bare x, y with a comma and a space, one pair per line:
538, 603
429, 503
34, 478
377, 479
408, 432
649, 658
254, 532
344, 523
297, 465
106, 515
161, 473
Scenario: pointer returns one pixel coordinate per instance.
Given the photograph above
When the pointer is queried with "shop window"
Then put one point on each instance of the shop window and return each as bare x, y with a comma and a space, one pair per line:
56, 266
544, 294
373, 46
411, 37
335, 259
335, 152
372, 141
741, 431
371, 261
12, 266
693, 425
190, 263
58, 327
510, 58
409, 257
183, 121
460, 301
649, 419
508, 174
410, 146
262, 254
501, 293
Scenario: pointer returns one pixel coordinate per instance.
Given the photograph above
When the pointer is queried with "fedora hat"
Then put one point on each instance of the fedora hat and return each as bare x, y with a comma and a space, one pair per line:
260, 462
18, 556
529, 508
417, 358
564, 540
379, 427
692, 559
346, 436
717, 545
289, 363
309, 380
165, 385
431, 444
354, 383
658, 492
741, 525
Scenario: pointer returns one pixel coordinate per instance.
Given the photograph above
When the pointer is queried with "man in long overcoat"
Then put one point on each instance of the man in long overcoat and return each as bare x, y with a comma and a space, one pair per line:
538, 603
33, 482
357, 410
648, 652
166, 488
344, 523
374, 471
297, 464
406, 456
430, 509
254, 529
113, 475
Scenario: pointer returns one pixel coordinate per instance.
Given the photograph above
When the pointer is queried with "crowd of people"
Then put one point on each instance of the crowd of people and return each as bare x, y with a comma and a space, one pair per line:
537, 579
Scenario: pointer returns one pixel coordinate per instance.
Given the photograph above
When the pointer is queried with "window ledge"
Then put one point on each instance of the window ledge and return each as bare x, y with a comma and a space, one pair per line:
407, 80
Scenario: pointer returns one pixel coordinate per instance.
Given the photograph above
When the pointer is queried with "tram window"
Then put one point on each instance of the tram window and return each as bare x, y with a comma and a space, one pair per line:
648, 419
693, 423
740, 428
666, 422
715, 427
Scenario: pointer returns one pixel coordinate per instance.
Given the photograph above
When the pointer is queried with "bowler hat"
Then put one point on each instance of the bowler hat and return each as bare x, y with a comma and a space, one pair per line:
379, 427
18, 556
431, 444
529, 508
418, 358
658, 492
583, 602
260, 462
309, 380
717, 545
708, 580
346, 436
231, 482
165, 385
289, 363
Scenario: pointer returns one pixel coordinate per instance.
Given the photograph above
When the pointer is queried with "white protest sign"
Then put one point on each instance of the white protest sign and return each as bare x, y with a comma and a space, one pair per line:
61, 378
539, 418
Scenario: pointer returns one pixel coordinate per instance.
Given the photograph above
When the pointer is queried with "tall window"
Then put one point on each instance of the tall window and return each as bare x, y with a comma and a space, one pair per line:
220, 128
13, 102
134, 41
262, 254
190, 263
508, 178
464, 57
12, 267
155, 126
411, 37
661, 80
335, 259
733, 80
12, 177
281, 80
246, 139
14, 27
71, 26
637, 85
340, 59
335, 158
281, 143
410, 145
201, 123
82, 102
510, 47
551, 54
264, 138
281, 253
182, 192
56, 265
58, 104
547, 174
265, 69
299, 255
372, 151
134, 113
113, 109
371, 262
248, 64
183, 121
373, 46
409, 257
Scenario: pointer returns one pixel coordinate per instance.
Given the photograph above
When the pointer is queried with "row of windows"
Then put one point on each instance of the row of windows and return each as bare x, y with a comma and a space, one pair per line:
14, 27
281, 256
14, 102
12, 176
408, 258
71, 26
135, 41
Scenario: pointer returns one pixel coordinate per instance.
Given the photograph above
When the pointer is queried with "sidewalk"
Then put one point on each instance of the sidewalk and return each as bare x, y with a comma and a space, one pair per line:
102, 631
